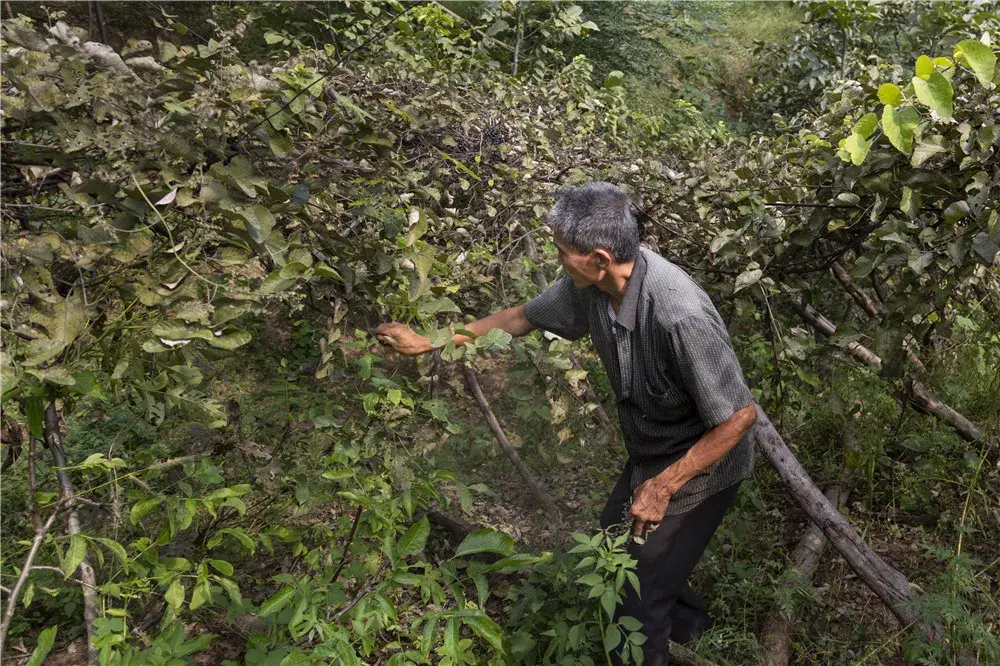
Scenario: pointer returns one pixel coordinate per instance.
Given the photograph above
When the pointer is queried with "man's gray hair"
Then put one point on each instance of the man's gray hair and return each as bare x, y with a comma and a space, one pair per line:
596, 215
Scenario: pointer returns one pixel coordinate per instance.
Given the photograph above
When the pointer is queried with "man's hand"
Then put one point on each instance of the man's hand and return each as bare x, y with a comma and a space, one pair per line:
651, 499
402, 338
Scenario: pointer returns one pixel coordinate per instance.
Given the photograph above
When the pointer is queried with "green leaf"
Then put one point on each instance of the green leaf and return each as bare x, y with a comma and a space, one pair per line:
143, 507
57, 375
487, 628
494, 339
857, 148
175, 594
74, 554
924, 67
609, 599
9, 376
280, 144
898, 126
612, 638
910, 202
927, 149
919, 261
630, 623
747, 278
240, 536
865, 126
230, 340
46, 639
980, 58
890, 94
985, 247
259, 221
231, 588
36, 413
418, 226
276, 602
985, 137
39, 351
201, 594
29, 595
242, 172
223, 567
956, 212
935, 92
614, 79
486, 541
415, 539
116, 548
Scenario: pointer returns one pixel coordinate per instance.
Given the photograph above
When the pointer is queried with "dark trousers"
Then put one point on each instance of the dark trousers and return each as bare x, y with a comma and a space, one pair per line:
668, 608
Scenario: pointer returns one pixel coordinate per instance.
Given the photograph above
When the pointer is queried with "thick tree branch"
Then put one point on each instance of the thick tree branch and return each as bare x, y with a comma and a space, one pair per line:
918, 393
866, 303
805, 558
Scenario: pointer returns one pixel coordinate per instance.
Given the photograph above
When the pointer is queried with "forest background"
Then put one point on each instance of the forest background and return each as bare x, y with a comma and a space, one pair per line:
207, 207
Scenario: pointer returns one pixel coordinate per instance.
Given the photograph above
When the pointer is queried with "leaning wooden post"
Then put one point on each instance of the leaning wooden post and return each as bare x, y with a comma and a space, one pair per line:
805, 558
533, 484
890, 585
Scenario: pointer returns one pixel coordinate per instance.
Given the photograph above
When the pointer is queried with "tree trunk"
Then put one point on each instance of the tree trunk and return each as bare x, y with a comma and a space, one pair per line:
860, 297
533, 484
102, 26
919, 394
890, 585
89, 582
805, 558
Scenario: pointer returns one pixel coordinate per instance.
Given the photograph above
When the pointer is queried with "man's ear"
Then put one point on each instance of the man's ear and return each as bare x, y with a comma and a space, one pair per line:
603, 258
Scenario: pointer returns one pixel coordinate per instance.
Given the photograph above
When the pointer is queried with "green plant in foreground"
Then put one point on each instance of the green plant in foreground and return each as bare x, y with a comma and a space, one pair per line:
554, 617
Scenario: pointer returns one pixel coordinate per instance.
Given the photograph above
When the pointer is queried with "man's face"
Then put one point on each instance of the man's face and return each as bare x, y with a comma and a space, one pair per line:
583, 269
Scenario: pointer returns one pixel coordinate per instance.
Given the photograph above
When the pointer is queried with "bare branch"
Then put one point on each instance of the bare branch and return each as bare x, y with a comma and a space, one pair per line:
29, 561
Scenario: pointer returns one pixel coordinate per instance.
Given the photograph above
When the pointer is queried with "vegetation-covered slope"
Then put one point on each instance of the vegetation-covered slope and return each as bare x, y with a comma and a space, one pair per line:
211, 459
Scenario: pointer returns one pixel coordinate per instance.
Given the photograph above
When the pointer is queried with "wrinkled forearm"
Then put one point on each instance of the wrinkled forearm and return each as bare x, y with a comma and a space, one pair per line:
713, 445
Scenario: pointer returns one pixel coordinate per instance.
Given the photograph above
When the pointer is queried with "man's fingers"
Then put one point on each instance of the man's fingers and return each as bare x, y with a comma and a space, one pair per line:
638, 526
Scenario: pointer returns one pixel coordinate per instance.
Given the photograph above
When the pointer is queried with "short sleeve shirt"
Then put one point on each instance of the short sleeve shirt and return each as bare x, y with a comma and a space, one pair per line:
671, 363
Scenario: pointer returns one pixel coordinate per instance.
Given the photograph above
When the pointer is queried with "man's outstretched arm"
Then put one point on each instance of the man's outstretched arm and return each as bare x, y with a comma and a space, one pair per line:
408, 342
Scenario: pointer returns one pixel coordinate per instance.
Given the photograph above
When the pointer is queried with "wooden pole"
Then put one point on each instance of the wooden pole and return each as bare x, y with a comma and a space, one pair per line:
890, 585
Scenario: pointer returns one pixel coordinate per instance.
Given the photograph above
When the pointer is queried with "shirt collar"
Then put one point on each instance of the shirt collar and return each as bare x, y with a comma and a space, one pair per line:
630, 302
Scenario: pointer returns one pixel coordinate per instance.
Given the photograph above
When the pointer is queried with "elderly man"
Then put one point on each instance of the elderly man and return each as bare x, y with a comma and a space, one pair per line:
683, 404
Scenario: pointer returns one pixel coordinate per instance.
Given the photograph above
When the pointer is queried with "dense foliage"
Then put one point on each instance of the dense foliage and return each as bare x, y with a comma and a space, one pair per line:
199, 235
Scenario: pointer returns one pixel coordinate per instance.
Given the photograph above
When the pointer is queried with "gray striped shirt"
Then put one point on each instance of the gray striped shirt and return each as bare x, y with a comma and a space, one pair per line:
671, 364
